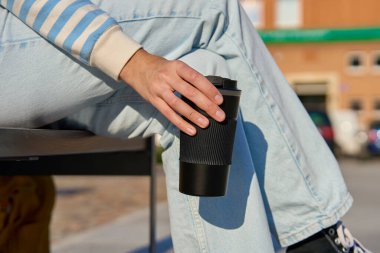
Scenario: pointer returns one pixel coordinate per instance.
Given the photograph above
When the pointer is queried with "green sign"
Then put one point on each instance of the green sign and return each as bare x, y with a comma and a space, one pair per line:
320, 35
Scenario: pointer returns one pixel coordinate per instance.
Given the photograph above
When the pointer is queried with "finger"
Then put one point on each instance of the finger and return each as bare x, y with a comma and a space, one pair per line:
184, 109
174, 118
200, 82
199, 99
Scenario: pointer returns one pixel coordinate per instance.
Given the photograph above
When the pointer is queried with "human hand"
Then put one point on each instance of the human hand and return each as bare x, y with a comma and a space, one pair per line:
156, 79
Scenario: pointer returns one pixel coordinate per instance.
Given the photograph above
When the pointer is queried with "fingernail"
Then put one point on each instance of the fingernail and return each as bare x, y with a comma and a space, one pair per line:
219, 99
191, 131
220, 115
203, 122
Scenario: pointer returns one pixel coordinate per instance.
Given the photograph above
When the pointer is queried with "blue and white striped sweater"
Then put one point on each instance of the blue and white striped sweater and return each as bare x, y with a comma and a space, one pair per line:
76, 26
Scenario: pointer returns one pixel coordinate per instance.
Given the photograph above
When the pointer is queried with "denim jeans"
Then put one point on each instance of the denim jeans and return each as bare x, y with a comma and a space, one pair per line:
285, 184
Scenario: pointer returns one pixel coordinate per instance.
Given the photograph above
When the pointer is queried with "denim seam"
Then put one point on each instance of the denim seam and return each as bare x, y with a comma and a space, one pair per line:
271, 107
199, 229
16, 42
125, 20
328, 220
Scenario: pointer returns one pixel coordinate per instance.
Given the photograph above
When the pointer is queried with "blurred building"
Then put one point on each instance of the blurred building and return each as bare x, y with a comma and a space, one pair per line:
329, 50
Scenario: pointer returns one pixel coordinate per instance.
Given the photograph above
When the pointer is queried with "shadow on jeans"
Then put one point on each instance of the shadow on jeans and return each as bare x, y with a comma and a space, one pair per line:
229, 211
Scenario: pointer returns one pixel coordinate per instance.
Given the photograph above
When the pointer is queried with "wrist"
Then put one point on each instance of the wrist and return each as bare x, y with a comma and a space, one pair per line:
112, 50
138, 66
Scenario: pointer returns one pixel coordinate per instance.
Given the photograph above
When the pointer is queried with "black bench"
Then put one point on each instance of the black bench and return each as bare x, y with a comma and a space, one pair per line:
73, 152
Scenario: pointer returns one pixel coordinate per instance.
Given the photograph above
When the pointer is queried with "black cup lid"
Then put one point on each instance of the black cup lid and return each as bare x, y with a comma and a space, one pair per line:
223, 83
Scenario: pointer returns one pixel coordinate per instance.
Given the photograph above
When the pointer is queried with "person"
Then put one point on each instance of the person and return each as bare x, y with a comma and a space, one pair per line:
74, 62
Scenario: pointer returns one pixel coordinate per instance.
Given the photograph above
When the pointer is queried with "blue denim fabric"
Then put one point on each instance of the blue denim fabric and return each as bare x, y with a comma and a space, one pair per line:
285, 184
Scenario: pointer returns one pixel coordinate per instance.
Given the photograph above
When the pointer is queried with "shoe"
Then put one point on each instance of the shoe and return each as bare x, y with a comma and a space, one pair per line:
335, 239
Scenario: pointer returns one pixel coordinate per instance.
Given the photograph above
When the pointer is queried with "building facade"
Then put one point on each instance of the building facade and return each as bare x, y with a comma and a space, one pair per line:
329, 50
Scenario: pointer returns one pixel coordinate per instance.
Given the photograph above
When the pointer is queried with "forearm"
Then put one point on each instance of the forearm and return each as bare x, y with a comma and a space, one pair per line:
80, 28
91, 35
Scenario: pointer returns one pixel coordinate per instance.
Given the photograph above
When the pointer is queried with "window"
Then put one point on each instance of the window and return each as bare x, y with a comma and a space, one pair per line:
376, 105
288, 14
376, 62
355, 62
356, 105
255, 11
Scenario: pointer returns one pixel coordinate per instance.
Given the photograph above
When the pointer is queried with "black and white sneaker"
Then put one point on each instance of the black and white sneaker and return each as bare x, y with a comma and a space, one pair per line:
335, 239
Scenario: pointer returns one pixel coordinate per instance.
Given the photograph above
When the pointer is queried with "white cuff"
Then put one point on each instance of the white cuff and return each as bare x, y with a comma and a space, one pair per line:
112, 51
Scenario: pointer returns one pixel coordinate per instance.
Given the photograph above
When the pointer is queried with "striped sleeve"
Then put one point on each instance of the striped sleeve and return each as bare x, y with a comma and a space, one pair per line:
80, 28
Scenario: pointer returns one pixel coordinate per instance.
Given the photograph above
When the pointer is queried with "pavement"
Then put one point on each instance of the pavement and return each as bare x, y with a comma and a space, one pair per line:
363, 219
129, 234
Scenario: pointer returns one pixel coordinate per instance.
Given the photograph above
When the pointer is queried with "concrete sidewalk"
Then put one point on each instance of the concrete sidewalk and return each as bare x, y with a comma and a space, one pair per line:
128, 234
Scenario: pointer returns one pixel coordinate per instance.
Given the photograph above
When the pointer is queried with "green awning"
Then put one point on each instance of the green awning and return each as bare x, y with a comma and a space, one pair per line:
320, 35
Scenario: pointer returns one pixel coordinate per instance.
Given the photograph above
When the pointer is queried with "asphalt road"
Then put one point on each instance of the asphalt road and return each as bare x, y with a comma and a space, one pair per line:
363, 181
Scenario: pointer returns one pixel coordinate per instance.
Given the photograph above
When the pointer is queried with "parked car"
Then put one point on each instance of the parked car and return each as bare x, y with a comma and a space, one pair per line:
350, 139
323, 123
374, 138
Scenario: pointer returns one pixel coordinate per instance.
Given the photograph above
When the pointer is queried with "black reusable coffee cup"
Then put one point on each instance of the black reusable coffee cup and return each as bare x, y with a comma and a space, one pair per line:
206, 157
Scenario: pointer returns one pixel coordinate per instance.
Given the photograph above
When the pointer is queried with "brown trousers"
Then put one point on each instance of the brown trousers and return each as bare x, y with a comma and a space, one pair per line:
26, 205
